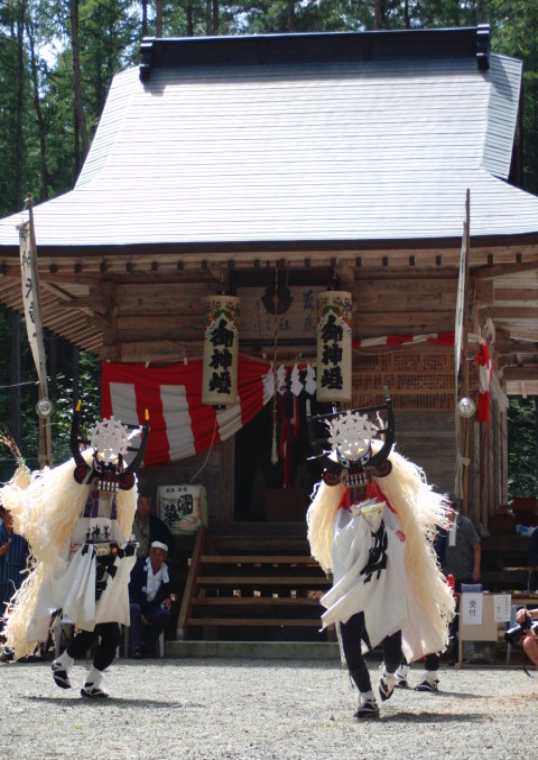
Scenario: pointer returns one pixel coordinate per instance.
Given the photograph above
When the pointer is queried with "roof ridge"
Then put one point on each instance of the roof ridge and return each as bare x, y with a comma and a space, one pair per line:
461, 42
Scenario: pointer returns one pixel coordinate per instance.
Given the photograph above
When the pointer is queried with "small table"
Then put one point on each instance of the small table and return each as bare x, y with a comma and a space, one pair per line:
488, 629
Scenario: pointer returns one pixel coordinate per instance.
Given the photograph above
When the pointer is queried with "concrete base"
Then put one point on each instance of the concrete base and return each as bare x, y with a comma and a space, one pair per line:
260, 650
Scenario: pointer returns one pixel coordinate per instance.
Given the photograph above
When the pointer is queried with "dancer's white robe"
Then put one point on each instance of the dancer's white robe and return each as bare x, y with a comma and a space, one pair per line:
72, 587
387, 601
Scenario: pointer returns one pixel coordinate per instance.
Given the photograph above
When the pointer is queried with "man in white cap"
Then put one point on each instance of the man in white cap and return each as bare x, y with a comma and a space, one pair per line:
150, 602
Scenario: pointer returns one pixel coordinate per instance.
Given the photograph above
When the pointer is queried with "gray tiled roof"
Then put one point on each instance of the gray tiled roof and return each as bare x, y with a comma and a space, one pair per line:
347, 151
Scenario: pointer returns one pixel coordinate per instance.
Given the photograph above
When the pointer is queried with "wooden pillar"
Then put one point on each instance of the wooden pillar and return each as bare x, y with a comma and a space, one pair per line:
477, 472
497, 470
504, 457
490, 474
227, 481
110, 333
473, 505
484, 473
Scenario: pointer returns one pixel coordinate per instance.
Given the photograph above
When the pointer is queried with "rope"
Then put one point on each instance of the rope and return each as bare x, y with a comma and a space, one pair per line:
210, 449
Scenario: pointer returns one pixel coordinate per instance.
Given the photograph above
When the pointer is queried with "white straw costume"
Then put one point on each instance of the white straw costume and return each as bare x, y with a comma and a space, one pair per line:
60, 519
409, 593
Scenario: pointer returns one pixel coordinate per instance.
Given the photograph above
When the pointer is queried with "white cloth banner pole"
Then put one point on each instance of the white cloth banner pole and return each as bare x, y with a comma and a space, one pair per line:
30, 297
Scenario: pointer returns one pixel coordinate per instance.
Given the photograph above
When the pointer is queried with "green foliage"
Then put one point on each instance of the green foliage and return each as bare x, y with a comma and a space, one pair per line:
515, 33
77, 377
4, 366
523, 447
70, 390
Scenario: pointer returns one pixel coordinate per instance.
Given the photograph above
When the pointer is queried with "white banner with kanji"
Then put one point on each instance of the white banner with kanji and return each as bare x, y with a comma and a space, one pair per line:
30, 298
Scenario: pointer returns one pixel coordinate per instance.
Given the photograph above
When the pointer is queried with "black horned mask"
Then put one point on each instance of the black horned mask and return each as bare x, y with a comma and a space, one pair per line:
347, 444
109, 440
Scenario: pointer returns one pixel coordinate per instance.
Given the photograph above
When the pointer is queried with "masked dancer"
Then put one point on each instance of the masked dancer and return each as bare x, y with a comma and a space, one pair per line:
371, 524
77, 519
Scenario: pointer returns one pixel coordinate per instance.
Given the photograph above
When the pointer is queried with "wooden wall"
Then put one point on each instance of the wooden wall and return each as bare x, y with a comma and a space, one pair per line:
428, 439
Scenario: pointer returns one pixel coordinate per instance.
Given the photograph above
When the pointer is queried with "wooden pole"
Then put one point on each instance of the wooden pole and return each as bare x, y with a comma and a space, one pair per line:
461, 386
465, 348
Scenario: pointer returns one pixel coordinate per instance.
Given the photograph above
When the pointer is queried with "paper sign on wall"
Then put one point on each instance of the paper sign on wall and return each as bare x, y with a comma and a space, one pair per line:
183, 507
471, 608
502, 607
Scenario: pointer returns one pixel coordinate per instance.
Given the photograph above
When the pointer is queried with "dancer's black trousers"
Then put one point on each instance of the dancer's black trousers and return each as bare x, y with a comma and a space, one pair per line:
109, 635
353, 633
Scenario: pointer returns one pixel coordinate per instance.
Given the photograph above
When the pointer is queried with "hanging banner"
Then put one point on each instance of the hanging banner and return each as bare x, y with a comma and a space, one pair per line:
334, 354
221, 351
30, 297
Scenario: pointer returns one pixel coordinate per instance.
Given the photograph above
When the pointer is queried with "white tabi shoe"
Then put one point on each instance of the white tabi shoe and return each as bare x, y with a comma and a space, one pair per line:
93, 692
387, 682
368, 709
427, 685
60, 675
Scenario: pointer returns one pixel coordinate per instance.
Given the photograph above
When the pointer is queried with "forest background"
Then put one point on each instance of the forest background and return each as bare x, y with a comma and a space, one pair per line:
57, 59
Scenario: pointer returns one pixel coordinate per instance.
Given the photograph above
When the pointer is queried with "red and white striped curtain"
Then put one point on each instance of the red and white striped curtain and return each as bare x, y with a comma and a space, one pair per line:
180, 424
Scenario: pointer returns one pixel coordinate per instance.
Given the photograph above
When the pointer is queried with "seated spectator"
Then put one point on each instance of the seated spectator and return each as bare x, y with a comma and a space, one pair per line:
13, 563
532, 560
148, 528
150, 602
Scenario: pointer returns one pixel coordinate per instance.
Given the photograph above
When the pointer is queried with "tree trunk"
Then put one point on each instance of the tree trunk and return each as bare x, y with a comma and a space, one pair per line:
377, 15
44, 193
53, 366
190, 19
97, 65
77, 160
144, 18
158, 18
215, 17
77, 79
291, 16
208, 18
76, 373
17, 196
479, 11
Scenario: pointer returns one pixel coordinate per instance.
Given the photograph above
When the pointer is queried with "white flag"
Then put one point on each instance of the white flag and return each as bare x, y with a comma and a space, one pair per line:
30, 297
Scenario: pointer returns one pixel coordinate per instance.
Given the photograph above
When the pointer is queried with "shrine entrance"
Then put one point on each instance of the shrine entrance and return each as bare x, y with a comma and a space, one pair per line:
267, 491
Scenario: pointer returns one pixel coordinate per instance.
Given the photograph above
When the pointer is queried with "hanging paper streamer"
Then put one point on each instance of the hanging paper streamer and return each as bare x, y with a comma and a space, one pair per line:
269, 382
334, 346
296, 385
221, 351
310, 380
281, 379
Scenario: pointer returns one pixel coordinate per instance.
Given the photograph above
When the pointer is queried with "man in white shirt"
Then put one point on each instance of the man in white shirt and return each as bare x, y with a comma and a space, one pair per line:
150, 602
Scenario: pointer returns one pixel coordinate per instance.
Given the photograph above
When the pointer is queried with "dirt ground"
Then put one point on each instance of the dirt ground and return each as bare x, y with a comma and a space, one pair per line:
208, 709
